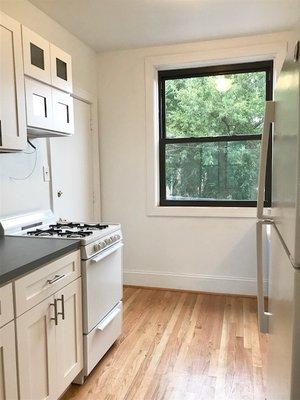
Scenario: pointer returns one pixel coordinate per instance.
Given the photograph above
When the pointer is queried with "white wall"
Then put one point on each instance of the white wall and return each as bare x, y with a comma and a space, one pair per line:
33, 193
209, 254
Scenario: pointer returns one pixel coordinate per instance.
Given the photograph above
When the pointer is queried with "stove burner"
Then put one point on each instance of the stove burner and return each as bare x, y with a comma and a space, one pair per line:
74, 234
45, 232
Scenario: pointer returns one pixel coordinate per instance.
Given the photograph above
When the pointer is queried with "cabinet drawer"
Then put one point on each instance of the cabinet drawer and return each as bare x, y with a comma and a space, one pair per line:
38, 285
102, 337
6, 304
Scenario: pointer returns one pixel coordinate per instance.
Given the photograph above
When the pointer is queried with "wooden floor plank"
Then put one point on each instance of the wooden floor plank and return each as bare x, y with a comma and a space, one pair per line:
181, 346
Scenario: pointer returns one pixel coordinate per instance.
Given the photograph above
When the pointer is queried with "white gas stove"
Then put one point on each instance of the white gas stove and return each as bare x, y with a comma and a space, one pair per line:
101, 267
94, 237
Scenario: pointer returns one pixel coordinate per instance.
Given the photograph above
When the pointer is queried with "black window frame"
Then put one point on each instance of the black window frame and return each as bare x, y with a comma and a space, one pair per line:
163, 76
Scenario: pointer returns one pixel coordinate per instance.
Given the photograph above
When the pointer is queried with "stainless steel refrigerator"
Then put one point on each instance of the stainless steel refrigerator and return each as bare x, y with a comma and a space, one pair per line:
280, 316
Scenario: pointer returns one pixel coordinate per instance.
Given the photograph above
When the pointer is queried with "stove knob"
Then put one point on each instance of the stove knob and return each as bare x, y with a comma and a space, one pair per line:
102, 244
106, 241
97, 247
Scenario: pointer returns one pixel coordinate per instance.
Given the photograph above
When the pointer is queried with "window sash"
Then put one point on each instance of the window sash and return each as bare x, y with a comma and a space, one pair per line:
213, 203
211, 139
266, 66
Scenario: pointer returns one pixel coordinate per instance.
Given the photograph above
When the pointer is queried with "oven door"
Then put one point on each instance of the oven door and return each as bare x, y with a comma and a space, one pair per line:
102, 285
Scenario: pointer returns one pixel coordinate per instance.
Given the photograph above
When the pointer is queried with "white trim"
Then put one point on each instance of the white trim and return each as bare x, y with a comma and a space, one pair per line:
255, 52
197, 282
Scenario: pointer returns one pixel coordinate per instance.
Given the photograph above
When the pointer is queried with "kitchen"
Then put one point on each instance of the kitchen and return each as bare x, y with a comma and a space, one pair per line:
106, 173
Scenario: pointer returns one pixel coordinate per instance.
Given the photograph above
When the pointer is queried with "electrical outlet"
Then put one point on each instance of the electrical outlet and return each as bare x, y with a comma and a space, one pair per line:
46, 173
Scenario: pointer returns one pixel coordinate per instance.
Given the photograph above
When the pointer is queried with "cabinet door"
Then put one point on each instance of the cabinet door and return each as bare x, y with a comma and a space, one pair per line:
38, 105
8, 366
36, 352
63, 113
61, 69
6, 304
13, 133
36, 53
69, 337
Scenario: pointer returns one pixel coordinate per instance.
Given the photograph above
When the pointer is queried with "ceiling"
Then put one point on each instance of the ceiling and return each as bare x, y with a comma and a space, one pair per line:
122, 24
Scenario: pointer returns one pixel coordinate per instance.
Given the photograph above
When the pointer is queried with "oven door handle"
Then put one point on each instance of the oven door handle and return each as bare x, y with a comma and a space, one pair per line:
108, 319
107, 252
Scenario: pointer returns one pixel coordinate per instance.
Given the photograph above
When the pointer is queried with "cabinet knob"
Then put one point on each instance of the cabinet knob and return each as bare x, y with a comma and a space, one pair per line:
59, 193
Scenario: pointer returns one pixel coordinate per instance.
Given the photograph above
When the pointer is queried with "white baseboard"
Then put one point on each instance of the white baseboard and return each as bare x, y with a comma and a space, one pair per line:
197, 282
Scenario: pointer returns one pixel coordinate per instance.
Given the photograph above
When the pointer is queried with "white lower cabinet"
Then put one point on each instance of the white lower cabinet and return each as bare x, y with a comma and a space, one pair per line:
69, 338
8, 370
49, 342
36, 352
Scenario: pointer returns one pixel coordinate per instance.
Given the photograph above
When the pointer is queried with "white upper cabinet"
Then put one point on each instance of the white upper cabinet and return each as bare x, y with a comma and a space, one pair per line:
49, 111
38, 105
45, 62
48, 85
63, 111
13, 134
36, 54
61, 69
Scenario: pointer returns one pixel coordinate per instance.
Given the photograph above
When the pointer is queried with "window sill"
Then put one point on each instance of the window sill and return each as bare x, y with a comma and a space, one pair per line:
202, 212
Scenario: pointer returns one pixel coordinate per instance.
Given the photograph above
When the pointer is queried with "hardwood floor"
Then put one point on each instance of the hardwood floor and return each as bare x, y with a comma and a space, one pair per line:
181, 346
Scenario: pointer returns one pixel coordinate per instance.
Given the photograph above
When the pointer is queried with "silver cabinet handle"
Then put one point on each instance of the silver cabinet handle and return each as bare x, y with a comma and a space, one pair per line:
55, 279
62, 313
55, 312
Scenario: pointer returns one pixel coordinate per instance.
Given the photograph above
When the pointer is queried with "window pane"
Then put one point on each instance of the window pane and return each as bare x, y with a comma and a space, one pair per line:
61, 69
37, 56
217, 105
212, 171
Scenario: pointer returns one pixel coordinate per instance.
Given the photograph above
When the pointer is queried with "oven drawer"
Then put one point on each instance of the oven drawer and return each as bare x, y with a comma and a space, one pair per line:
33, 288
102, 285
6, 304
102, 337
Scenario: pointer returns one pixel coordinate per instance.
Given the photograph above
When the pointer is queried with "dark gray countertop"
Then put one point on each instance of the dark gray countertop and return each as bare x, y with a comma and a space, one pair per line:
20, 255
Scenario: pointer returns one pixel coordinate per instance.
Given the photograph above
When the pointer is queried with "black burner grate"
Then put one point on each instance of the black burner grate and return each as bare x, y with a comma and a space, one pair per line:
71, 225
44, 232
74, 234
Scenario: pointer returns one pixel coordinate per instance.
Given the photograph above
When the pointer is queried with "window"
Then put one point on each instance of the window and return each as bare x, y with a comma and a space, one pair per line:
211, 122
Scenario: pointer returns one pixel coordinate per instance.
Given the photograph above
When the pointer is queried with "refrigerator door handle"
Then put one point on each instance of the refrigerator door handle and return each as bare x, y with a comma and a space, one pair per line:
269, 118
263, 315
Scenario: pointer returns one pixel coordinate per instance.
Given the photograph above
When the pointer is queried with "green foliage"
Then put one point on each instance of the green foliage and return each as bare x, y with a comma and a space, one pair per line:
195, 107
